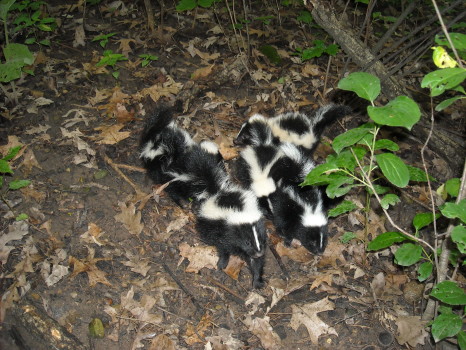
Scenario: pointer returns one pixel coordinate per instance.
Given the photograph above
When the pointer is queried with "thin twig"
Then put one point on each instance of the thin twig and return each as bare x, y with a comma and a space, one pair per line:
279, 261
181, 285
116, 167
236, 297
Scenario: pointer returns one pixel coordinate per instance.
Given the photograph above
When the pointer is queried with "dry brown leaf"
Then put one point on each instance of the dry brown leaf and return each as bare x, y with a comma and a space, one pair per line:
125, 47
16, 231
199, 257
13, 141
111, 135
140, 310
137, 264
167, 89
30, 192
178, 223
281, 288
262, 329
130, 218
307, 315
299, 254
378, 284
160, 286
235, 264
333, 254
162, 342
225, 341
100, 96
92, 235
29, 162
325, 278
193, 332
202, 72
89, 266
411, 330
79, 36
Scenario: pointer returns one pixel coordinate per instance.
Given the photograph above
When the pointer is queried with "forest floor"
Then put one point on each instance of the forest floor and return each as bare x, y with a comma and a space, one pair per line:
102, 242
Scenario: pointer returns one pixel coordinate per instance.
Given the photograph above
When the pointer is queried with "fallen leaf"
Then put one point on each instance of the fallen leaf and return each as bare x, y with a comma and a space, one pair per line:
111, 135
16, 231
79, 35
281, 288
202, 72
130, 218
160, 286
89, 266
411, 330
255, 300
333, 254
235, 264
167, 89
53, 273
162, 342
225, 341
262, 329
137, 263
378, 284
125, 47
92, 235
307, 315
199, 257
299, 254
194, 332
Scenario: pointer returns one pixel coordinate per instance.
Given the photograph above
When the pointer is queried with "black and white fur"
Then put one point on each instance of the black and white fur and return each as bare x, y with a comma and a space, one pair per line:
294, 127
228, 216
300, 213
274, 173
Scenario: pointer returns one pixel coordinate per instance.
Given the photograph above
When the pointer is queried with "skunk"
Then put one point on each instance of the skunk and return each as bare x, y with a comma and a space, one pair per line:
300, 213
228, 216
274, 173
293, 127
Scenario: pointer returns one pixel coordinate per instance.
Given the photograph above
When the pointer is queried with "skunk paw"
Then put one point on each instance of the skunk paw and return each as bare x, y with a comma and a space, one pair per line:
223, 261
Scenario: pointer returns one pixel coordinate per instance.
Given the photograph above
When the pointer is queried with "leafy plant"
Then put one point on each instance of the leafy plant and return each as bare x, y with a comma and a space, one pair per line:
317, 50
30, 18
147, 59
363, 159
103, 39
5, 170
111, 59
187, 5
17, 56
449, 76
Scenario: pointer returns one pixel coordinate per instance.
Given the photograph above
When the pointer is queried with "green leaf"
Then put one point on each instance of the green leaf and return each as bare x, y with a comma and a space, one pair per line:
332, 49
402, 111
346, 237
205, 3
453, 210
408, 254
444, 104
425, 270
365, 85
22, 217
116, 74
389, 200
335, 187
305, 17
343, 207
10, 71
378, 189
96, 328
12, 152
419, 175
1, 182
4, 8
443, 79
17, 184
452, 186
458, 235
458, 40
318, 174
18, 53
393, 169
446, 325
349, 138
386, 144
449, 293
422, 220
462, 340
312, 52
5, 167
385, 240
271, 53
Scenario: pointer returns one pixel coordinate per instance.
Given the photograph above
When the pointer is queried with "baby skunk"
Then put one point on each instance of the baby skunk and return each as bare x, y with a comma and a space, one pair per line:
273, 173
293, 127
228, 216
300, 213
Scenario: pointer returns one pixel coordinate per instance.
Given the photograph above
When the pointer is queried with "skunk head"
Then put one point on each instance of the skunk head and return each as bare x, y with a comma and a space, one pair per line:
255, 131
313, 238
251, 238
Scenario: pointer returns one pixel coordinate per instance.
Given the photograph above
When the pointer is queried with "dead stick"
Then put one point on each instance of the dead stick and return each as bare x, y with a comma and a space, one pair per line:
183, 288
236, 297
279, 261
117, 169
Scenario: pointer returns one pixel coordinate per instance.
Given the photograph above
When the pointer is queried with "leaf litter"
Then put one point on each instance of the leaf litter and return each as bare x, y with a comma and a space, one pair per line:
119, 247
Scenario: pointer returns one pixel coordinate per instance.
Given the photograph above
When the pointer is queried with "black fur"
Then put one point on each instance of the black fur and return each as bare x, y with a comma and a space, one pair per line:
228, 217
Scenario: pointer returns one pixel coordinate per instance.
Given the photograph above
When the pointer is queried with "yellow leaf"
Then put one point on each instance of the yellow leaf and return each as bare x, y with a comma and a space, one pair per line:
442, 59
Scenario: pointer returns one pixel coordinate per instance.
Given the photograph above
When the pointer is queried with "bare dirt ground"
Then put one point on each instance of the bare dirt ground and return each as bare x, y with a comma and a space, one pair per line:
102, 242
